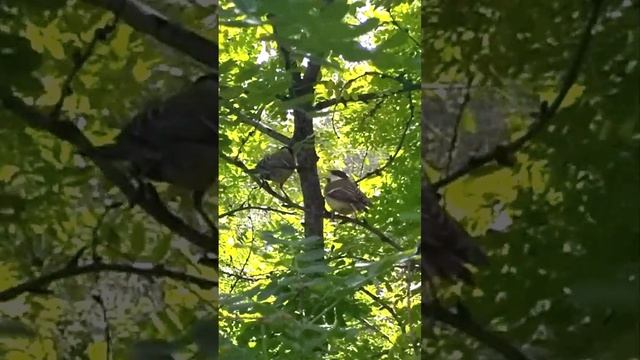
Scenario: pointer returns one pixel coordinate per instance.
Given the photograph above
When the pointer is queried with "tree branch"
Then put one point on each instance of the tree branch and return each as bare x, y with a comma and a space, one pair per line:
107, 327
365, 225
260, 127
261, 208
40, 283
246, 259
146, 20
307, 158
385, 306
363, 97
456, 127
79, 60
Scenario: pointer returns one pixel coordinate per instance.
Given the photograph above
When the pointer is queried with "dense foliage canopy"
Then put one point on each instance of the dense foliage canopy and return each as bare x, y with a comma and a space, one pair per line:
550, 190
528, 118
295, 281
83, 275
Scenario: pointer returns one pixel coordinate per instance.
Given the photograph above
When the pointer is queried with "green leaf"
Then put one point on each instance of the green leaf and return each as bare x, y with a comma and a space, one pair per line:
37, 5
138, 238
336, 10
10, 328
311, 255
163, 245
353, 51
468, 122
365, 27
397, 39
315, 268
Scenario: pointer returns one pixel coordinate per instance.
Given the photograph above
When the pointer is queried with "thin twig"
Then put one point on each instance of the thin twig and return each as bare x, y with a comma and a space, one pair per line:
246, 260
100, 34
402, 28
364, 98
241, 277
95, 232
242, 118
66, 272
365, 225
392, 158
107, 330
249, 207
385, 306
458, 121
262, 184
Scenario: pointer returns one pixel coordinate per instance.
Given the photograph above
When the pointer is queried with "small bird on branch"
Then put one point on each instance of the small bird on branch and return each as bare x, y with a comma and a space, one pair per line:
277, 167
343, 195
175, 141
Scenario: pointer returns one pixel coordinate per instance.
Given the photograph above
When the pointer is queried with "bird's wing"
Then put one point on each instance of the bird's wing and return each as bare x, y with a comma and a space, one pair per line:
361, 196
190, 115
275, 161
346, 191
189, 165
173, 141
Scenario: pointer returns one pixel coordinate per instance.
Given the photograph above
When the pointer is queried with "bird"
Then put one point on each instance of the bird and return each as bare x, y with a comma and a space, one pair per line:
445, 245
343, 195
174, 141
277, 167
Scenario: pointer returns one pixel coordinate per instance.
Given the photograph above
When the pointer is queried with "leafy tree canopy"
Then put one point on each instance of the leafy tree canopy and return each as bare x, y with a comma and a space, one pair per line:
555, 198
290, 291
83, 276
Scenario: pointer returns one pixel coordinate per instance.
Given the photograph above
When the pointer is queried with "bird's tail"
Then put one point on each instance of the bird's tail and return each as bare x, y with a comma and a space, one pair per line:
109, 152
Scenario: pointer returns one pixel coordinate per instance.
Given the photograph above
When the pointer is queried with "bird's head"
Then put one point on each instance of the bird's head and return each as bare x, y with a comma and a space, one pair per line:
335, 175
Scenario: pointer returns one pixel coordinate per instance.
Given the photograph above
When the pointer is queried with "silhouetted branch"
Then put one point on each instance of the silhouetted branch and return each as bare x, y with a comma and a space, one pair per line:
100, 34
402, 28
247, 258
458, 121
42, 282
262, 184
546, 113
242, 118
107, 327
